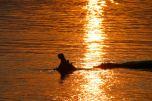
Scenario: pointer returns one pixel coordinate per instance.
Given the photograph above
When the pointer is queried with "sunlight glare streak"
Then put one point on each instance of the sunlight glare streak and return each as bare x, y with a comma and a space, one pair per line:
94, 33
112, 1
93, 88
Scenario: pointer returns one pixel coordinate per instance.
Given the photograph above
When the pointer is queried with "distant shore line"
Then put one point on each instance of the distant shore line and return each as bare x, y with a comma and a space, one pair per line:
140, 65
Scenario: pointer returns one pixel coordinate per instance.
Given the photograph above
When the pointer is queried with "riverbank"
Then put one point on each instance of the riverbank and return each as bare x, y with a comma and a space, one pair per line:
139, 65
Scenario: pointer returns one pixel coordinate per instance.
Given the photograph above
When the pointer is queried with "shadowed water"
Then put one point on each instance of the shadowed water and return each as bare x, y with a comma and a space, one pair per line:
88, 32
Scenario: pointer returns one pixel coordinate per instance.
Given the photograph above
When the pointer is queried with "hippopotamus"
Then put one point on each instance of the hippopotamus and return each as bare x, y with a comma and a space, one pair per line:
65, 67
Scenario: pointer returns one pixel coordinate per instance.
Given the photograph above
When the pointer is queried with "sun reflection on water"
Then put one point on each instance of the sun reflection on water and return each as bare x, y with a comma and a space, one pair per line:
94, 36
94, 85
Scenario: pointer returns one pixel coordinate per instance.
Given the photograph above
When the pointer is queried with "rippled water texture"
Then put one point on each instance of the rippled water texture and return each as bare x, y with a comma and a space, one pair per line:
88, 32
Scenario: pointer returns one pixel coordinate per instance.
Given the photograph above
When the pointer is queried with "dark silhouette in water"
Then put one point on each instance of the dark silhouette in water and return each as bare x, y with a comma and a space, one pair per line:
138, 65
65, 66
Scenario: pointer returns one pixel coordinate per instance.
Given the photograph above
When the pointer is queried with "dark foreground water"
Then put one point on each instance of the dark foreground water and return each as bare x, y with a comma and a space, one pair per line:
89, 32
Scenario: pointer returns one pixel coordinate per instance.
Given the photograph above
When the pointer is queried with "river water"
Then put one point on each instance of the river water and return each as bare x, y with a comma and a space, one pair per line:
88, 32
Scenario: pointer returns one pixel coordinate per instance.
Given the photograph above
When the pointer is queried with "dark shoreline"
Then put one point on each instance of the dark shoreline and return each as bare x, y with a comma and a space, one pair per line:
137, 65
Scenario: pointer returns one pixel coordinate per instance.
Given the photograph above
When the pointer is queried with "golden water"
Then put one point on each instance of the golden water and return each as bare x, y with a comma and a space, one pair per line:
88, 32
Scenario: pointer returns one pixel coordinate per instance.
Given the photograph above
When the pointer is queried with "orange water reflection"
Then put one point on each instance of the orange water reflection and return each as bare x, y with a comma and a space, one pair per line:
94, 36
94, 85
93, 88
94, 33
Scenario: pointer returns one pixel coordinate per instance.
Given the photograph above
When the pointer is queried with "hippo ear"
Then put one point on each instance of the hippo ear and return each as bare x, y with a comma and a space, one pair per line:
67, 61
61, 56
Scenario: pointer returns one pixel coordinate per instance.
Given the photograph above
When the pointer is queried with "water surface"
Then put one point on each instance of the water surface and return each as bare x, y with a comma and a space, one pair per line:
88, 32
